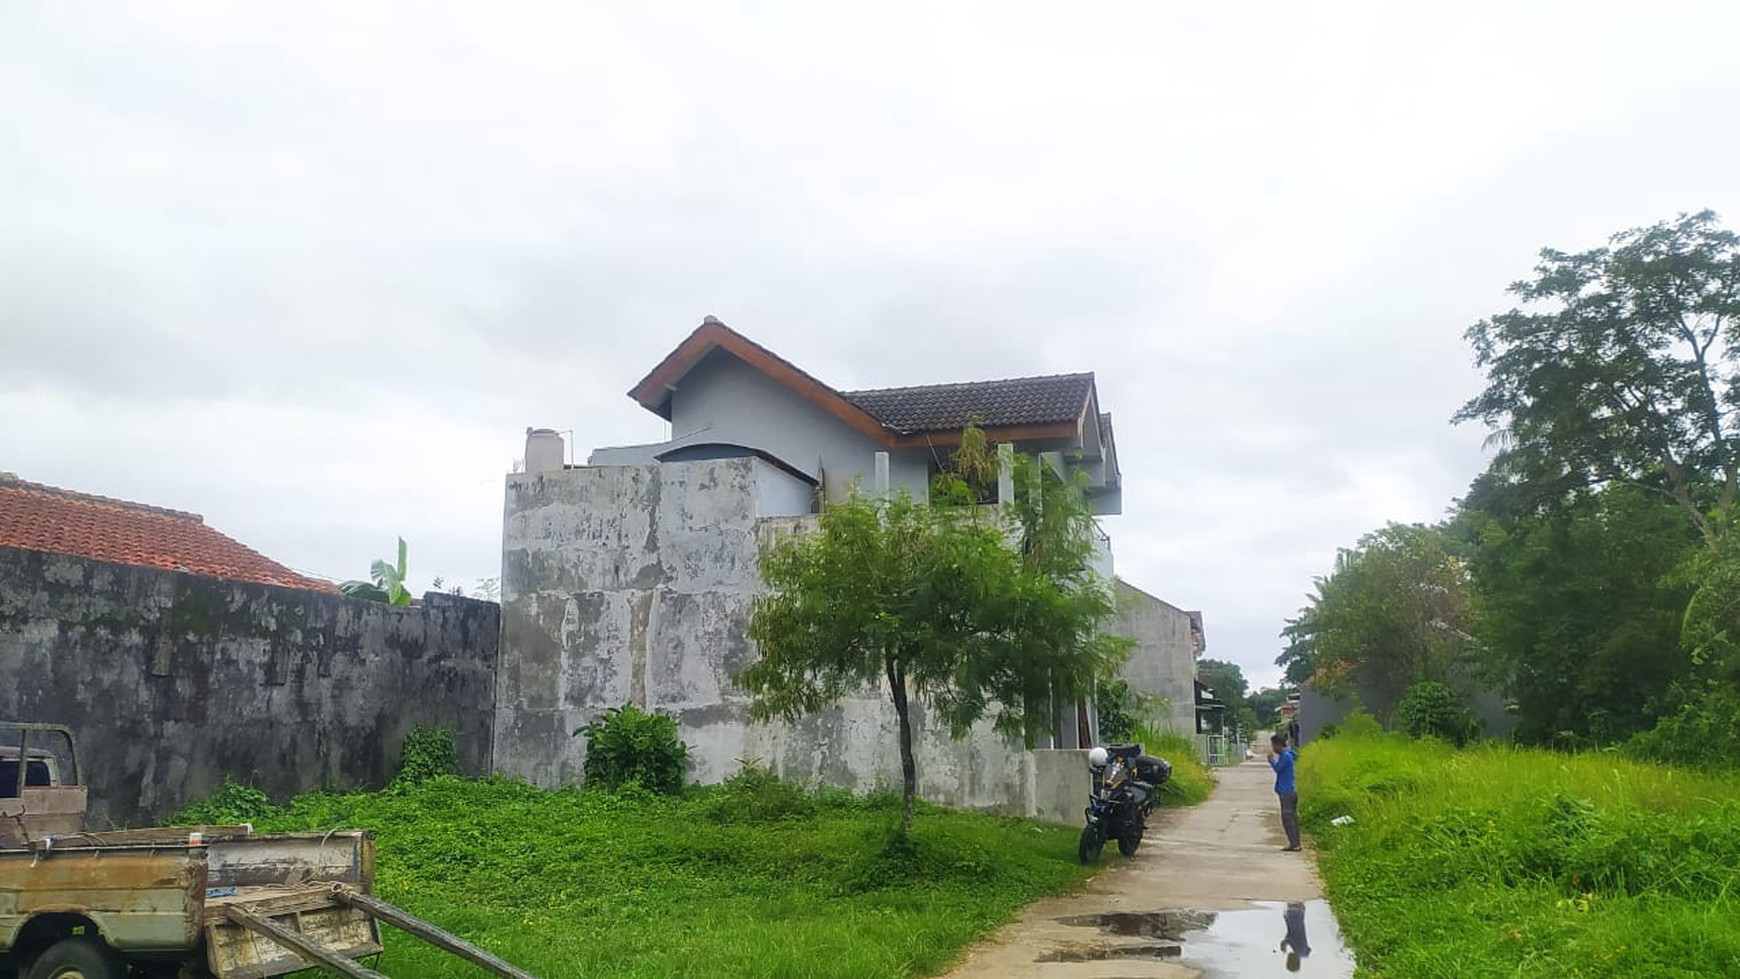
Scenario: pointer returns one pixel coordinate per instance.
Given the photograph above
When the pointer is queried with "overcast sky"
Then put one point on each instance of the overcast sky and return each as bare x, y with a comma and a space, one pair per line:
311, 269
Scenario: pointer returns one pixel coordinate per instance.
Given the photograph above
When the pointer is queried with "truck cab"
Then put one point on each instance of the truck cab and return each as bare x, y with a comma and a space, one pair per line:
41, 782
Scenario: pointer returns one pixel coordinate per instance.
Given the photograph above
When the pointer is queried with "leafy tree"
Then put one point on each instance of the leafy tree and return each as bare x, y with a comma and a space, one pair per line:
1395, 611
1578, 606
1430, 708
978, 611
388, 585
1624, 369
1227, 681
1266, 706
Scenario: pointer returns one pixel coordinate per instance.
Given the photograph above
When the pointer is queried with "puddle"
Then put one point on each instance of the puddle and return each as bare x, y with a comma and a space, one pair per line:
1101, 953
1270, 938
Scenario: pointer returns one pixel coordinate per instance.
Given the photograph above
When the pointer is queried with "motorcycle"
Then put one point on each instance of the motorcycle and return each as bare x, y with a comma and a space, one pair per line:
1126, 787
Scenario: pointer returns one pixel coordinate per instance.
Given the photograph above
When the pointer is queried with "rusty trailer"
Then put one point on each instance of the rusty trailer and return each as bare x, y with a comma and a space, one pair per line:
197, 902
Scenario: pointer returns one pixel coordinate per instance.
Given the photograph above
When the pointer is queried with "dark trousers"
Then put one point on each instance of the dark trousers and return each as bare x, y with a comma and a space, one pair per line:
1290, 816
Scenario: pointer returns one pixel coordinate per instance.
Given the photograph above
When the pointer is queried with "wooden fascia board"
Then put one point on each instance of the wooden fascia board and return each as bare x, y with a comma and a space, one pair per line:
653, 390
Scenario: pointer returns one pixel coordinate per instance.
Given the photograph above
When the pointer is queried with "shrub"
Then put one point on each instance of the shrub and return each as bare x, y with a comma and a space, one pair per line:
1431, 709
626, 744
1115, 709
756, 795
428, 752
1359, 724
1694, 734
232, 802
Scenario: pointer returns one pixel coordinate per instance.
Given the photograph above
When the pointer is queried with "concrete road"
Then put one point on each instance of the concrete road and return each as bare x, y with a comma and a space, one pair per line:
1136, 918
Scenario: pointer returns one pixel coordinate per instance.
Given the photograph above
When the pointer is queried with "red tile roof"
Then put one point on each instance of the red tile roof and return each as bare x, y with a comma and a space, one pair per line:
35, 517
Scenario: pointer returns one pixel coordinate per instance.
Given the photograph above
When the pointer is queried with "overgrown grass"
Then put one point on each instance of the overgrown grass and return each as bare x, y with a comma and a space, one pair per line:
1191, 780
1499, 861
754, 878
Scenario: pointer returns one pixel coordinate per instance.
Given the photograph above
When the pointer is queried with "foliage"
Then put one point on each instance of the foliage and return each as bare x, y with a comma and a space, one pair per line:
1431, 709
627, 745
1578, 603
582, 882
1265, 706
428, 752
388, 584
1227, 680
1191, 780
229, 804
1520, 862
1696, 733
756, 795
1624, 369
978, 611
1395, 610
1116, 710
1359, 723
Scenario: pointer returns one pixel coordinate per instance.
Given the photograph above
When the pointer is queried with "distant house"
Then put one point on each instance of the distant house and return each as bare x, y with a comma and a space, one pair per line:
727, 396
35, 517
633, 577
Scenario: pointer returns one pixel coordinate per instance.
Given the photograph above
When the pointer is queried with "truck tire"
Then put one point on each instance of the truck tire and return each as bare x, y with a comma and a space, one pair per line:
82, 957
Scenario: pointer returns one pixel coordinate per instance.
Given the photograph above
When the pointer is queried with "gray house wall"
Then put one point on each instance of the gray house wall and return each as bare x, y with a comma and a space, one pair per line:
174, 681
1164, 660
722, 399
634, 584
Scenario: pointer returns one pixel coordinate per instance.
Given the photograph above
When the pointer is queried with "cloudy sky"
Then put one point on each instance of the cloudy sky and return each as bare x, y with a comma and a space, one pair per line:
311, 269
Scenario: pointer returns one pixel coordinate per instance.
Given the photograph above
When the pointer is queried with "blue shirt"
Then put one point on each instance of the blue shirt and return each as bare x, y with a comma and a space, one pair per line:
1283, 766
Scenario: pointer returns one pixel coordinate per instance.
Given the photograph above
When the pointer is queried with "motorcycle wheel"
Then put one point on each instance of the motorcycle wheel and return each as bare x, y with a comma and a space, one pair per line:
1131, 839
1091, 844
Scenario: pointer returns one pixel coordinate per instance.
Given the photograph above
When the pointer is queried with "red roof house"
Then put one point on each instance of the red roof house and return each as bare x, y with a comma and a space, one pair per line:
35, 517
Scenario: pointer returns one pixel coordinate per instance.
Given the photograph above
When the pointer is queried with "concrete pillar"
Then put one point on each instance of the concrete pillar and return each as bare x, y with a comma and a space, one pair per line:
1005, 472
881, 474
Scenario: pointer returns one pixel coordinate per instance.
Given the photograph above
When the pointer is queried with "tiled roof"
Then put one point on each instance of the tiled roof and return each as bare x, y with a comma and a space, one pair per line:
46, 518
946, 407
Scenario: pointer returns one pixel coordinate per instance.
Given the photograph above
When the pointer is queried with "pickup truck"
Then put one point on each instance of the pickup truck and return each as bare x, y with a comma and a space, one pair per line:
198, 902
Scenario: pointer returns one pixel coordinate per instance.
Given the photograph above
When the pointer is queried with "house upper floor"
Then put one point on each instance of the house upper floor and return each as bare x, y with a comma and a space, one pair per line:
726, 396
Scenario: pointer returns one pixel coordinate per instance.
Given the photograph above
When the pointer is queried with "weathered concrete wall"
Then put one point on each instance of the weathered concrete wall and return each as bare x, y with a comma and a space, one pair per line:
1164, 660
174, 681
1060, 785
634, 584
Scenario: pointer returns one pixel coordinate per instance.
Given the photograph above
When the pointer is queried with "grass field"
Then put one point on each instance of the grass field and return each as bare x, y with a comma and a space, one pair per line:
755, 879
1498, 861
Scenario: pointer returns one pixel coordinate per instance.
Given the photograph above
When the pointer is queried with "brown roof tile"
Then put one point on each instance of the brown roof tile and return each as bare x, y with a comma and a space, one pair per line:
46, 518
947, 407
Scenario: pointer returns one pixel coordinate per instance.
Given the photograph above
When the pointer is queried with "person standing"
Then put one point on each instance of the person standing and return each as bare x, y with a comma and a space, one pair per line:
1281, 759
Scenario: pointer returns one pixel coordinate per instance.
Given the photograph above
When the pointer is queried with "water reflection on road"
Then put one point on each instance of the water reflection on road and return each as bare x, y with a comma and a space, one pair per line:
1270, 939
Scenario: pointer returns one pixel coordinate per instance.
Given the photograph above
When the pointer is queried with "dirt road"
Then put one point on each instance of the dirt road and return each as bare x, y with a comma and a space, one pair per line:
1209, 894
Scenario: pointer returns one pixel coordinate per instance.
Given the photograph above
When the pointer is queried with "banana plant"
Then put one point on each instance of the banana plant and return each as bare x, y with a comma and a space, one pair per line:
388, 585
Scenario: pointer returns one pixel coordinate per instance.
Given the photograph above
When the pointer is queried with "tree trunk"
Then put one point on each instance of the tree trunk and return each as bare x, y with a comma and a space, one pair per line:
908, 770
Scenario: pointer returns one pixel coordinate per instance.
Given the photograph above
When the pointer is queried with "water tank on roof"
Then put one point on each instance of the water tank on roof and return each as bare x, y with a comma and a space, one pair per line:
545, 451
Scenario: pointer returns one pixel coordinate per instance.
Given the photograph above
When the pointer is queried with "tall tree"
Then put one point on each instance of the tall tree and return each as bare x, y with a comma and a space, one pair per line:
978, 611
1623, 367
1395, 611
1578, 606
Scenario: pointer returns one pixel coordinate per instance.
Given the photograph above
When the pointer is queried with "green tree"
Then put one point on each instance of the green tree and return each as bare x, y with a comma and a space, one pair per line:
1431, 709
1578, 603
1227, 681
978, 611
1266, 706
1624, 368
1396, 610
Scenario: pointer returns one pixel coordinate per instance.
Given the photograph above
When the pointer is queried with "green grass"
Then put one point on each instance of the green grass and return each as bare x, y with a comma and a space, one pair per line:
758, 878
1191, 780
1499, 861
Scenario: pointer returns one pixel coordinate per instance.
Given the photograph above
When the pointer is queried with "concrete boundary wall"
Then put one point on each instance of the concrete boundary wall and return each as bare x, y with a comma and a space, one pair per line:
173, 682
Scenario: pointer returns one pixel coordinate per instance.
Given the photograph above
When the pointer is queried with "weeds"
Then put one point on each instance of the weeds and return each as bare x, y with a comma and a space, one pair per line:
1498, 861
756, 877
1191, 781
